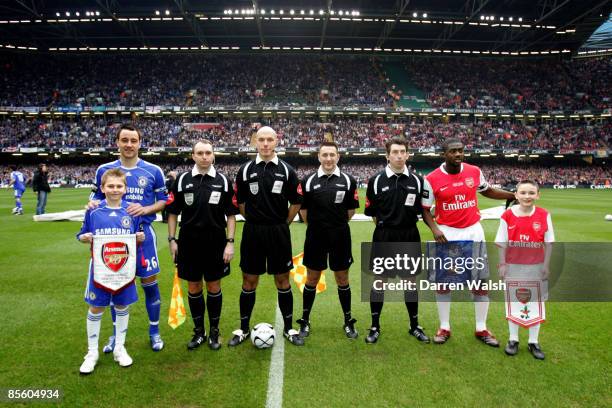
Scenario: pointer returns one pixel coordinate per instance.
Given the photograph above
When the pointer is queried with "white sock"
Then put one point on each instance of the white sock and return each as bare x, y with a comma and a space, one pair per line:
481, 308
94, 321
534, 332
513, 328
443, 300
123, 317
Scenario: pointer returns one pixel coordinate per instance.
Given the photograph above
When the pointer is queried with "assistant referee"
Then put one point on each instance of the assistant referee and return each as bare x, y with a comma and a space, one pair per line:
393, 200
330, 200
204, 198
265, 188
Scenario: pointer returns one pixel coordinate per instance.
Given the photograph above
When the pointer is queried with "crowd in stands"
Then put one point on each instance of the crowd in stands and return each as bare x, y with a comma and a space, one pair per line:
517, 84
304, 132
190, 80
499, 174
197, 80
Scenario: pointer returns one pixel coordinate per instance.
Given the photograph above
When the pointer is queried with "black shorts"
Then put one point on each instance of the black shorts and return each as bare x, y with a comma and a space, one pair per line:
321, 242
382, 234
265, 248
411, 246
200, 255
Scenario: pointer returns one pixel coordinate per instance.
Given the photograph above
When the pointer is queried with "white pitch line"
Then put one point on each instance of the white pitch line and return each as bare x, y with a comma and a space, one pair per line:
276, 374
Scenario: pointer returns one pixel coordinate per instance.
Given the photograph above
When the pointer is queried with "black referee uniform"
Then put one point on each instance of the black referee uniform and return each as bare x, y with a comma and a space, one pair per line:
328, 199
204, 201
266, 189
395, 201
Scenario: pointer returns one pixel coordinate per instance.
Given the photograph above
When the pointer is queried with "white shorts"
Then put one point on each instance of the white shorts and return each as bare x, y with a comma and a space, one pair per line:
472, 233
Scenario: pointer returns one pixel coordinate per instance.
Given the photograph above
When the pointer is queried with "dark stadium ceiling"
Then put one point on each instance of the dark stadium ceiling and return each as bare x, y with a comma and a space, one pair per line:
472, 25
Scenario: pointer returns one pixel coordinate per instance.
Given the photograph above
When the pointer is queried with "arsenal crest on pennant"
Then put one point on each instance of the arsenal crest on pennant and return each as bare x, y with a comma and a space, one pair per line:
115, 255
524, 302
114, 261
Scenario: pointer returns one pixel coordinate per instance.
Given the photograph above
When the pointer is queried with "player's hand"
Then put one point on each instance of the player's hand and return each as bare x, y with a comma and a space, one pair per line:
86, 238
545, 272
140, 236
228, 253
439, 236
92, 204
173, 250
136, 210
510, 202
502, 270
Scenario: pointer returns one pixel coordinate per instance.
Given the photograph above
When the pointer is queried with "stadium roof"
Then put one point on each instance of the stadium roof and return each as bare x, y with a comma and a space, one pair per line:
298, 25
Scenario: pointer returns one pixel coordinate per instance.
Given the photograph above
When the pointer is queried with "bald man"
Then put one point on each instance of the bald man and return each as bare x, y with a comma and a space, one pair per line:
269, 197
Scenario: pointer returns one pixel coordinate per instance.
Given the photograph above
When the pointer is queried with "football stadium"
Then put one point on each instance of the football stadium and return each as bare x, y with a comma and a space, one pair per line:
193, 147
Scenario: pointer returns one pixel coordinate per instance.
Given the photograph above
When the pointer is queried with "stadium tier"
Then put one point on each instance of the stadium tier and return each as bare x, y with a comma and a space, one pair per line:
565, 137
576, 175
66, 83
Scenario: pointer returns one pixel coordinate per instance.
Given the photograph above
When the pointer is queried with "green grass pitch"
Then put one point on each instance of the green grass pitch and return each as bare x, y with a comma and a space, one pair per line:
43, 340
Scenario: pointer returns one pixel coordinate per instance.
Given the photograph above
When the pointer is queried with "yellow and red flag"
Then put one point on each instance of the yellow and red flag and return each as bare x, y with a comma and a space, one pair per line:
298, 273
176, 314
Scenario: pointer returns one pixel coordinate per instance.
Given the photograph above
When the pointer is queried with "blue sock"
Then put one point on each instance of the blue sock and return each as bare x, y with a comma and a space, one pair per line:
18, 204
153, 302
114, 317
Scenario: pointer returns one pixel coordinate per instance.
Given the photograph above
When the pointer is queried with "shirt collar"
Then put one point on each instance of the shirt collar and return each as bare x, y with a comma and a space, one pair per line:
321, 173
390, 172
443, 168
211, 171
258, 159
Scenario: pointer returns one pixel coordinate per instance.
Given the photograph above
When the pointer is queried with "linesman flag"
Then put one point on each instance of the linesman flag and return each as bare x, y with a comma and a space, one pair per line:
176, 314
298, 273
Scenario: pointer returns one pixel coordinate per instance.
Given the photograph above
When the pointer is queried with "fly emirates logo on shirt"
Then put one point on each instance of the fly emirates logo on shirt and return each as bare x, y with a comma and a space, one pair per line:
460, 203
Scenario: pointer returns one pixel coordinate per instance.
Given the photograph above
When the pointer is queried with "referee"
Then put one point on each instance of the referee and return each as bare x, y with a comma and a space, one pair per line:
330, 199
204, 198
265, 188
393, 200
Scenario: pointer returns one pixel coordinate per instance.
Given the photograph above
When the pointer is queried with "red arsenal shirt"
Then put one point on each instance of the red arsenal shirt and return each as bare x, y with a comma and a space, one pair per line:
524, 236
455, 195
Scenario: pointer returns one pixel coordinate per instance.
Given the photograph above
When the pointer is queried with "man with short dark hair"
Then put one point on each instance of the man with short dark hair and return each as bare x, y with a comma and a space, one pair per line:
147, 195
453, 187
204, 198
393, 200
265, 187
330, 200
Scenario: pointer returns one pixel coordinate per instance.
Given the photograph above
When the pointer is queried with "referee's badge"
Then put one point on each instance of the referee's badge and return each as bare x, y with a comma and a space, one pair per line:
215, 196
188, 198
254, 187
277, 188
339, 197
410, 198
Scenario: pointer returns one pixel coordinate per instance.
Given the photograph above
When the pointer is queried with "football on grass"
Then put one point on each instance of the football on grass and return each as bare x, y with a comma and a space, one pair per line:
262, 335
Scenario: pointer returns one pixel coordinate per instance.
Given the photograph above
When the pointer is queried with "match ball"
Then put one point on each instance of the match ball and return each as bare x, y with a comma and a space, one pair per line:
262, 335
608, 217
15, 210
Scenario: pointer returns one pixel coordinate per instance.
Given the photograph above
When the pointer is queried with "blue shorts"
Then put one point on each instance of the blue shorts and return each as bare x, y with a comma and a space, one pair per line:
99, 297
18, 193
147, 263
